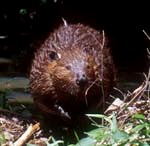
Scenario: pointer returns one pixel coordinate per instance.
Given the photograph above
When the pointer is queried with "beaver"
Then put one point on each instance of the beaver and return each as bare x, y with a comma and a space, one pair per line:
73, 70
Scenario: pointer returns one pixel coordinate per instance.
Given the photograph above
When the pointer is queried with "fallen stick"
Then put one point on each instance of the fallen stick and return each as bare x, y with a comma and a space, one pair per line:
28, 133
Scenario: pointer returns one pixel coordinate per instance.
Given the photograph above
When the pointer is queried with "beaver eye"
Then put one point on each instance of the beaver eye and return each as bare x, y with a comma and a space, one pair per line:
88, 67
68, 67
53, 55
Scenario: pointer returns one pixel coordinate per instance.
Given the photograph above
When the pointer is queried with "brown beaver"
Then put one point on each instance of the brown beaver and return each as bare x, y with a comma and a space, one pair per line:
72, 71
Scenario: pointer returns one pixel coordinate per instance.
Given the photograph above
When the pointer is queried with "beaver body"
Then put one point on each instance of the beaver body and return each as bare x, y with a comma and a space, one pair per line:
72, 71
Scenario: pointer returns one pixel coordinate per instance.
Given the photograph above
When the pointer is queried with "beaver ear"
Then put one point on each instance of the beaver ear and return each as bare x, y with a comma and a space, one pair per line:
53, 55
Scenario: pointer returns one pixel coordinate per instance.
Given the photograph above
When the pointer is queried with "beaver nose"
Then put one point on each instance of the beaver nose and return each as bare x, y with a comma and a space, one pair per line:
81, 80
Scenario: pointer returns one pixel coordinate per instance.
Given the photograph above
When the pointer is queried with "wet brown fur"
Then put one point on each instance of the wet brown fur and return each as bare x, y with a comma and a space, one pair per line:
72, 52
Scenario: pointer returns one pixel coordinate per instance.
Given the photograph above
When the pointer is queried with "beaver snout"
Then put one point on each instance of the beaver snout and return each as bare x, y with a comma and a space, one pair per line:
81, 80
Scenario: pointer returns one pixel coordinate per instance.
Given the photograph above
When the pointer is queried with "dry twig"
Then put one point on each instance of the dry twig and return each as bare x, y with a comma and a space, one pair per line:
28, 133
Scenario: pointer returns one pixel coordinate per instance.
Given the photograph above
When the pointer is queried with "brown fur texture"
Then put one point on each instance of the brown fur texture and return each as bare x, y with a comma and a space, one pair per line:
72, 71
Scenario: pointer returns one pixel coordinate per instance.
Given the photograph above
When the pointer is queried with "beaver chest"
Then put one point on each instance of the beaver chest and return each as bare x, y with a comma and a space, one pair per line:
72, 71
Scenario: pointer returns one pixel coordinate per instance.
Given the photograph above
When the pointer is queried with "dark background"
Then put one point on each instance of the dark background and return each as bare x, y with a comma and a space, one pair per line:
23, 22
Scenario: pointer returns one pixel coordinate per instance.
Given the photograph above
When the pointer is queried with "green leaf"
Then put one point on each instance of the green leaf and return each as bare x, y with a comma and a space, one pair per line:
139, 116
76, 135
138, 128
99, 116
99, 133
86, 142
114, 126
2, 138
138, 143
119, 136
54, 143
